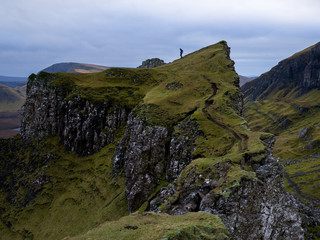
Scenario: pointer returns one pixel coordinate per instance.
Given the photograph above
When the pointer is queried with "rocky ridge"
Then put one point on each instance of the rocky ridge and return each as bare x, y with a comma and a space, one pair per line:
184, 149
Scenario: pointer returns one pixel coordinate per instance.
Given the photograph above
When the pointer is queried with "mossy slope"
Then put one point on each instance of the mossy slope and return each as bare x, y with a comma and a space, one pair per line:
78, 192
160, 226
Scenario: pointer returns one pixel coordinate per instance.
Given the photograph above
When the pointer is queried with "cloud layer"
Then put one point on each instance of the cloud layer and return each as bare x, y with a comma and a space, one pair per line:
37, 33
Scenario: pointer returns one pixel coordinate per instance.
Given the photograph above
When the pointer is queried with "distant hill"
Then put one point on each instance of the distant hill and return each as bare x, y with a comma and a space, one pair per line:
286, 102
13, 81
72, 67
11, 99
244, 79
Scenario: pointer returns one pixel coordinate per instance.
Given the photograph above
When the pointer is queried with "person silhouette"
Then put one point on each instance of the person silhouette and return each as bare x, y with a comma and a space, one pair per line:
181, 51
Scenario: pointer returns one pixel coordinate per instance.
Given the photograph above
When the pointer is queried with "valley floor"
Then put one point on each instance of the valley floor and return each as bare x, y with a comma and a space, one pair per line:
9, 124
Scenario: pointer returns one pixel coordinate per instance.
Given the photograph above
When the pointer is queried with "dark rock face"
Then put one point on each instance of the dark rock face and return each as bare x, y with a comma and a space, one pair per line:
142, 154
86, 128
182, 145
82, 127
151, 63
259, 210
148, 155
301, 70
255, 209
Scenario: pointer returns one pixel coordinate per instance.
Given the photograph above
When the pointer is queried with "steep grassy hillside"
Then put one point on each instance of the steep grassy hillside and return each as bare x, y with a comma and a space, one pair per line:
286, 102
49, 193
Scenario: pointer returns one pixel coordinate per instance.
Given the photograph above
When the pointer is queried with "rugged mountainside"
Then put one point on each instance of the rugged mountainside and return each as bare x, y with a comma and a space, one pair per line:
286, 101
301, 71
151, 142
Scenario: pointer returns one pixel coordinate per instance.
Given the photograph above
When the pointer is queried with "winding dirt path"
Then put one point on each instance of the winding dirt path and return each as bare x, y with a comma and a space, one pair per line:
208, 103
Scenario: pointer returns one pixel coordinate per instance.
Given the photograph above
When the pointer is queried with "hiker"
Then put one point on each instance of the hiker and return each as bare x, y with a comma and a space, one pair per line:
181, 51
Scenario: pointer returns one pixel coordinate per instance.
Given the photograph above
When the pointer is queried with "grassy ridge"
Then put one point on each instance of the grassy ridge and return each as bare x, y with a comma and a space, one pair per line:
81, 194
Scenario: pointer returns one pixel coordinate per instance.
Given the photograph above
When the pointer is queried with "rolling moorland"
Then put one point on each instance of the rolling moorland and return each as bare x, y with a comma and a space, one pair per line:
167, 145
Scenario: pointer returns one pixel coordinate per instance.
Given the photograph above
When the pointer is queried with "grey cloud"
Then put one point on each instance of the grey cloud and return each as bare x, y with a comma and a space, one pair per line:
36, 33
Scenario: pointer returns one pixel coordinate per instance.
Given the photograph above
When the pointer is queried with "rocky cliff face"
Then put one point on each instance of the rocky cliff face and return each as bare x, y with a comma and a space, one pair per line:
251, 209
141, 154
82, 126
150, 154
301, 70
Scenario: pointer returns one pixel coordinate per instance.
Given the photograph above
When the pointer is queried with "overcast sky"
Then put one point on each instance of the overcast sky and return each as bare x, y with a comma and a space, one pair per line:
35, 34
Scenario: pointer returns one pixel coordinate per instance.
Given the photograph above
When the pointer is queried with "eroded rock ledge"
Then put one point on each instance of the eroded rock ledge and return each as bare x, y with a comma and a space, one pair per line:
255, 206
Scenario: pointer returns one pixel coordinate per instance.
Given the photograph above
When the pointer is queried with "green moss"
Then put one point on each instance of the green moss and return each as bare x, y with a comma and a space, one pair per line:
161, 226
80, 195
225, 173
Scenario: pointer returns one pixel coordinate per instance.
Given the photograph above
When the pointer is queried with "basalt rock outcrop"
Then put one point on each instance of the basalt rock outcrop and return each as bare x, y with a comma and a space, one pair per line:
82, 126
253, 208
141, 154
150, 154
151, 63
